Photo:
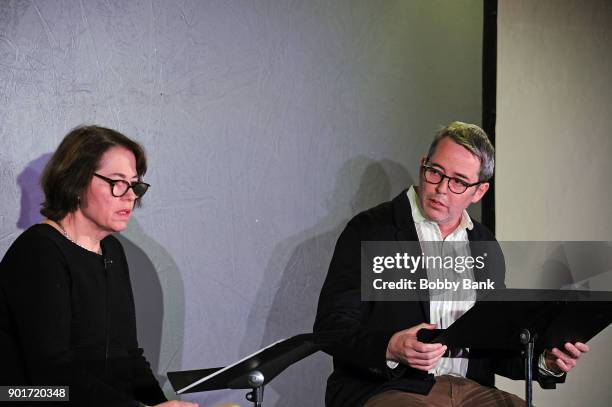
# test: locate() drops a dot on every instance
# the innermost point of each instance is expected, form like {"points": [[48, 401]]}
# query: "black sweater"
{"points": [[67, 318]]}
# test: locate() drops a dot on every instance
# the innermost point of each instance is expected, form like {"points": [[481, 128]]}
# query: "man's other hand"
{"points": [[564, 360]]}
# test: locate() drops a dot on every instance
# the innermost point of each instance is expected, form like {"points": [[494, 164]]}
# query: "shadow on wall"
{"points": [[148, 299], [296, 270], [151, 280], [31, 193], [579, 265], [160, 302]]}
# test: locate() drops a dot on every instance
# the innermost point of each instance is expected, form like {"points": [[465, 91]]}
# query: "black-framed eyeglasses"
{"points": [[456, 185], [120, 187]]}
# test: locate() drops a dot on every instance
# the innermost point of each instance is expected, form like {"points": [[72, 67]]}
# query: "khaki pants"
{"points": [[448, 391]]}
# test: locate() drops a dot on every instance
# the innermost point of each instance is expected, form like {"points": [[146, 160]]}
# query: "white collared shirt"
{"points": [[447, 306]]}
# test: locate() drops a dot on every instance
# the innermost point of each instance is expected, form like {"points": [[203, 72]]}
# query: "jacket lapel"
{"points": [[406, 231]]}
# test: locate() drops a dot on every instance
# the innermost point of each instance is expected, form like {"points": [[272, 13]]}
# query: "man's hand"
{"points": [[404, 347], [563, 361]]}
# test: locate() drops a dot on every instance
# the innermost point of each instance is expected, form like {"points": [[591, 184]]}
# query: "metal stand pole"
{"points": [[527, 340], [256, 381]]}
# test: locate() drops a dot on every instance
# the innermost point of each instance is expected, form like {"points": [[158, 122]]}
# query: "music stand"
{"points": [[527, 320], [252, 372]]}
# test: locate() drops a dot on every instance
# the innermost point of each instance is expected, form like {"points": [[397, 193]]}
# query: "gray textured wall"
{"points": [[553, 153], [267, 123]]}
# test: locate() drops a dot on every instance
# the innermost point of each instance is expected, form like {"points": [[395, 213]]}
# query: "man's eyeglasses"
{"points": [[120, 187], [435, 176]]}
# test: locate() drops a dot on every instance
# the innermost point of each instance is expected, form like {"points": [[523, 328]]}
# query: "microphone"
{"points": [[107, 262]]}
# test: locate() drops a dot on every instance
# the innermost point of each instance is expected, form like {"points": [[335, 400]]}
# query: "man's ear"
{"points": [[423, 160], [480, 191]]}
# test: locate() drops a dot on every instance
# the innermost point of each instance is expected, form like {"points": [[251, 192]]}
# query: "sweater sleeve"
{"points": [[146, 386]]}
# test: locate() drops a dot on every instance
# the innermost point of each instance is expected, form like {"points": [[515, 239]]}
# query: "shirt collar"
{"points": [[417, 213]]}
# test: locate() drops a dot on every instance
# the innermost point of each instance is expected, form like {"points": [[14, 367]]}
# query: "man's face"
{"points": [[439, 204]]}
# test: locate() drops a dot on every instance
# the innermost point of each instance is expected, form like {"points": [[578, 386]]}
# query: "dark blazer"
{"points": [[360, 369]]}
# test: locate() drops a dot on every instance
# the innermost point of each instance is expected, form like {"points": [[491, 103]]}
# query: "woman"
{"points": [[66, 306]]}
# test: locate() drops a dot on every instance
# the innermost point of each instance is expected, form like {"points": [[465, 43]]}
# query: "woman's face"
{"points": [[104, 212]]}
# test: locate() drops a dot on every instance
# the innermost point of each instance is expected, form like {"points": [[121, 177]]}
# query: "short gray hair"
{"points": [[474, 139]]}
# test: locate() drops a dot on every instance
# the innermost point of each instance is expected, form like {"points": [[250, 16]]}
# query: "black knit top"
{"points": [[67, 318]]}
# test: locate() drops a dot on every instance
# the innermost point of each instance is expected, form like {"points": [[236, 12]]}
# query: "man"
{"points": [[381, 362]]}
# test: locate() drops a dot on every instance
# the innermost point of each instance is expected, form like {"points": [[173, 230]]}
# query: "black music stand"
{"points": [[252, 372], [527, 320]]}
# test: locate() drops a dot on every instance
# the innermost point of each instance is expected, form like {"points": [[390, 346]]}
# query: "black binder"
{"points": [[553, 316]]}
